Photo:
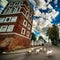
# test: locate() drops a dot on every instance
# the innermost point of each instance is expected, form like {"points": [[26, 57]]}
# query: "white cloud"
{"points": [[34, 23], [44, 22], [54, 13], [37, 12], [33, 2], [50, 7], [48, 1], [4, 3], [42, 5]]}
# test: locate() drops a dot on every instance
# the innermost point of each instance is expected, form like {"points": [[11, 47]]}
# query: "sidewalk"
{"points": [[19, 51]]}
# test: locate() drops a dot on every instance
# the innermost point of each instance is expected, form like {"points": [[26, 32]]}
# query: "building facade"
{"points": [[16, 25]]}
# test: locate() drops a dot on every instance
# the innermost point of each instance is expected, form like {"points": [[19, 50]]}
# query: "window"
{"points": [[19, 3], [8, 19], [18, 9], [28, 34], [8, 10], [12, 10], [10, 28], [10, 4], [29, 27], [3, 28], [27, 14], [15, 9], [16, 4], [14, 19], [25, 23], [5, 11], [23, 31], [2, 20]]}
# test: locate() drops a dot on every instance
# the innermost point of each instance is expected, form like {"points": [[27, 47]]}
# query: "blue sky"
{"points": [[56, 6], [47, 8]]}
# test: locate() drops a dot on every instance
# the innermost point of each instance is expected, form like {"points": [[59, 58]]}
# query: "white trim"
{"points": [[29, 26], [14, 19], [10, 28], [16, 13], [15, 34], [28, 34], [5, 21], [25, 6], [24, 23], [23, 33], [3, 28], [2, 20]]}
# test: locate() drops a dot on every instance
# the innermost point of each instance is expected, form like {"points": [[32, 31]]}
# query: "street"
{"points": [[40, 56]]}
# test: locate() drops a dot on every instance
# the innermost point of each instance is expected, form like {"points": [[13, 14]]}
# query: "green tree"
{"points": [[40, 37], [53, 33], [33, 37]]}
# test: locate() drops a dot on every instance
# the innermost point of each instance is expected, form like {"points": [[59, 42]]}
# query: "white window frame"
{"points": [[29, 26], [11, 3], [3, 29], [5, 11], [15, 4], [5, 21], [10, 28], [2, 20], [10, 10], [23, 33], [14, 19], [28, 34], [15, 9], [19, 8], [19, 3], [27, 14], [24, 23]]}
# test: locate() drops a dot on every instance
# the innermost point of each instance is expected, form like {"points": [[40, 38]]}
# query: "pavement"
{"points": [[42, 55], [20, 50]]}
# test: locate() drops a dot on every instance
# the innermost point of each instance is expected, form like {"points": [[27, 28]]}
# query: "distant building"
{"points": [[16, 24]]}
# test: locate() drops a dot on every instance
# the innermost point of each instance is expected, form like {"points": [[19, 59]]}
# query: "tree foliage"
{"points": [[40, 37], [33, 37], [53, 33]]}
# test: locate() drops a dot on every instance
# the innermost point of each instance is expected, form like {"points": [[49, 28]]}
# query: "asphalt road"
{"points": [[40, 56]]}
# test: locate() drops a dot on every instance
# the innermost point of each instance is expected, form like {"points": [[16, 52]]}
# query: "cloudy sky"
{"points": [[46, 13]]}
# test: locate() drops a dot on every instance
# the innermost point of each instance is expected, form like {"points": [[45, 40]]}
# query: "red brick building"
{"points": [[16, 25]]}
